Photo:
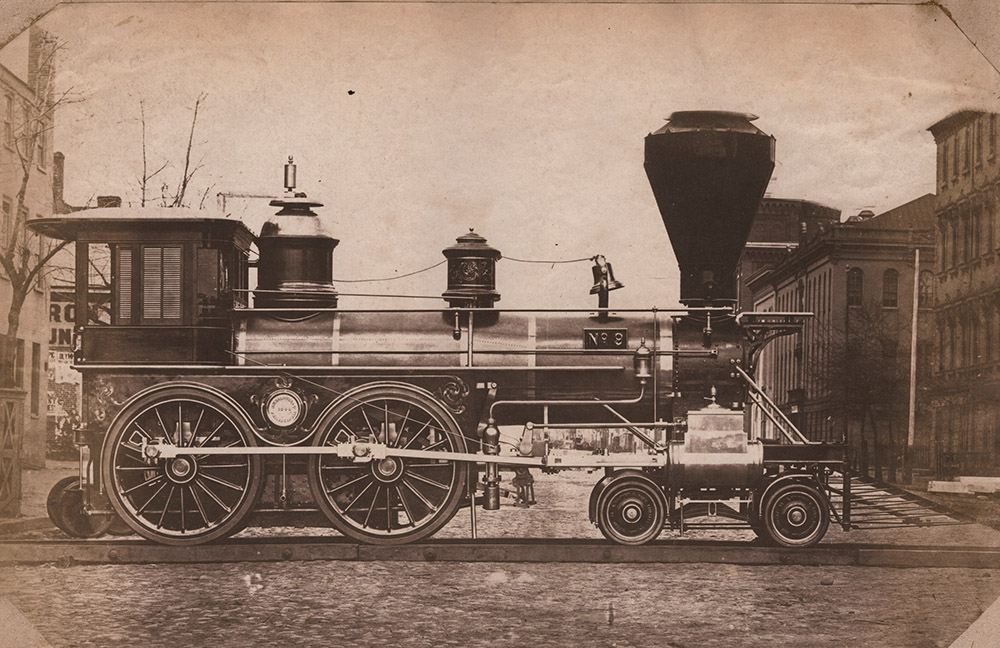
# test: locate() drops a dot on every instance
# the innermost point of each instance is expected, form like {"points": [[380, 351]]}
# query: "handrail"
{"points": [[770, 410]]}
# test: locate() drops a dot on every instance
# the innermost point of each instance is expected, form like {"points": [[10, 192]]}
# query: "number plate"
{"points": [[605, 338]]}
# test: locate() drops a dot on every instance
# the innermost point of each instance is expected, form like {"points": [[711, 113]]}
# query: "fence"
{"points": [[11, 435]]}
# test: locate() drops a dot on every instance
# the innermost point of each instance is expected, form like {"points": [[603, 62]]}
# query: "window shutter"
{"points": [[161, 283], [124, 285], [171, 283], [152, 283]]}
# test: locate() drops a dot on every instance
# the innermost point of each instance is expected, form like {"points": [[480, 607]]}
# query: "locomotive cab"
{"points": [[157, 284]]}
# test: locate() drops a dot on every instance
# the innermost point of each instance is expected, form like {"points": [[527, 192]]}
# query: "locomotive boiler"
{"points": [[211, 405]]}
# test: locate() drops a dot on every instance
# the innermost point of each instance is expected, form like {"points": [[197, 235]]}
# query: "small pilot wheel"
{"points": [[192, 498], [393, 500], [796, 515], [65, 508], [631, 511], [757, 524]]}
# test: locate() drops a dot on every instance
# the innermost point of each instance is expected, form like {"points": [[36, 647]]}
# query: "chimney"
{"points": [[41, 50], [59, 206]]}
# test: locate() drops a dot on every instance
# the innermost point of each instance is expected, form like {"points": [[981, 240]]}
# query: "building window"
{"points": [[966, 240], [954, 156], [953, 244], [942, 170], [855, 286], [40, 149], [890, 289], [988, 338], [992, 148], [974, 340], [8, 120], [161, 283], [963, 331], [977, 226], [19, 364], [979, 142], [952, 362], [926, 295], [36, 377], [966, 149]]}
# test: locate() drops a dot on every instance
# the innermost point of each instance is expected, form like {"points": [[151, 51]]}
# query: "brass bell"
{"points": [[604, 276], [604, 281]]}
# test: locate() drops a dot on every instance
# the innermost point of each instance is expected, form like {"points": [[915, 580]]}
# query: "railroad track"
{"points": [[69, 552]]}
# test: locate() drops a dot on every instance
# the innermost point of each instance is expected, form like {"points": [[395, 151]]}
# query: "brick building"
{"points": [[33, 335], [778, 228], [847, 373], [967, 318]]}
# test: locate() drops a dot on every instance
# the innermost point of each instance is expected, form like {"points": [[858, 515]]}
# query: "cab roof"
{"points": [[122, 220]]}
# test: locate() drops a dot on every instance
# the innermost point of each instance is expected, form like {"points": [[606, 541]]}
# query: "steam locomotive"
{"points": [[210, 405]]}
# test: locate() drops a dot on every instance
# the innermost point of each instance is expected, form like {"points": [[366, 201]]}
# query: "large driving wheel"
{"points": [[631, 510], [796, 515], [192, 498], [392, 500]]}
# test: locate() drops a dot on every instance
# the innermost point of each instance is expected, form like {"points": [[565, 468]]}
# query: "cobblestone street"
{"points": [[462, 604]]}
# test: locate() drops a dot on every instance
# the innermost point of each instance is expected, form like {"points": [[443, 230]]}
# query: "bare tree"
{"points": [[188, 171], [23, 255], [146, 175], [863, 363], [170, 197]]}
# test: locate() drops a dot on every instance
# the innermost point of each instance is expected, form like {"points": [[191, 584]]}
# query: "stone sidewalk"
{"points": [[16, 630]]}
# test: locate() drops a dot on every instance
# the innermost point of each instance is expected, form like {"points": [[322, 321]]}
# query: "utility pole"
{"points": [[911, 422]]}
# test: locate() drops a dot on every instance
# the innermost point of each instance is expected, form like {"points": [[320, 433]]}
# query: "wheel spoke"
{"points": [[346, 484], [371, 508], [386, 407], [417, 434], [197, 424], [406, 507], [435, 445], [210, 434], [212, 494], [371, 428], [357, 497], [166, 432], [428, 481], [388, 509], [159, 490], [222, 482], [420, 495], [166, 505], [198, 504], [151, 480], [402, 426]]}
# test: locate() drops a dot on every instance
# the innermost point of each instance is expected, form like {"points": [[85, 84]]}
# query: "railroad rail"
{"points": [[288, 548]]}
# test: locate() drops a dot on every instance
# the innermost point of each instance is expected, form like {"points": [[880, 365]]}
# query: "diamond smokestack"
{"points": [[708, 171]]}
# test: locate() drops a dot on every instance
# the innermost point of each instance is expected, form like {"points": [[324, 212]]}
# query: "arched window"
{"points": [[890, 289], [926, 299], [855, 286]]}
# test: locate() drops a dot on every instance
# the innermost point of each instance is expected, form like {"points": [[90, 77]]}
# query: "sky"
{"points": [[414, 122]]}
